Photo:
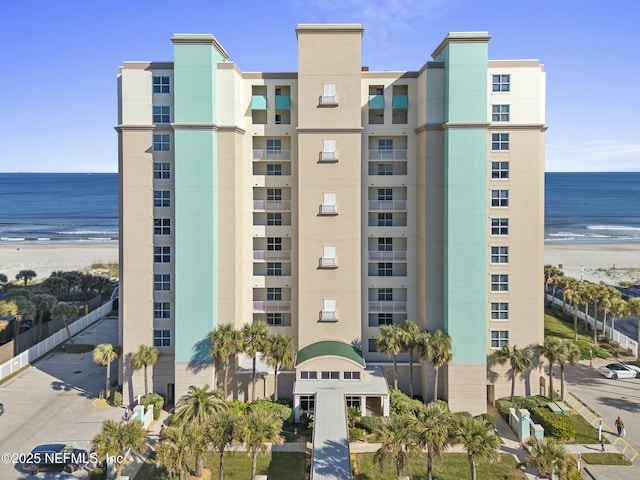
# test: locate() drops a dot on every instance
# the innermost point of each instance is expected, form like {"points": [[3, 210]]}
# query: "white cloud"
{"points": [[594, 156]]}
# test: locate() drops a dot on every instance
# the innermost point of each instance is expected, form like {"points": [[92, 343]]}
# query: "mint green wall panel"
{"points": [[376, 102], [400, 101], [283, 102], [258, 102]]}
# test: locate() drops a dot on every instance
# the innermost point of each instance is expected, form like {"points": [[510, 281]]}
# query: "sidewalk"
{"points": [[136, 460]]}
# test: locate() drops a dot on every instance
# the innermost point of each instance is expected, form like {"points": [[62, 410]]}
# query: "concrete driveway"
{"points": [[52, 402]]}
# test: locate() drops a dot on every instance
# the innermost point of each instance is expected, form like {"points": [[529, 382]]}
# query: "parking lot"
{"points": [[52, 402]]}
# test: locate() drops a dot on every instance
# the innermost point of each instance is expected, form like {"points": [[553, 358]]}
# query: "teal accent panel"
{"points": [[258, 102], [376, 102], [401, 102], [195, 204], [283, 102]]}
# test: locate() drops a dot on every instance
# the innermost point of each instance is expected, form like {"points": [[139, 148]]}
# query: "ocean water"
{"points": [[80, 207]]}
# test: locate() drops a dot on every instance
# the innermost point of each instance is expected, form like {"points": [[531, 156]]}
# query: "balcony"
{"points": [[391, 154], [328, 262], [283, 102], [390, 256], [271, 306], [330, 100], [272, 205], [388, 205], [272, 155], [388, 307], [328, 157], [400, 102], [376, 102], [328, 316], [272, 255], [258, 102], [329, 209]]}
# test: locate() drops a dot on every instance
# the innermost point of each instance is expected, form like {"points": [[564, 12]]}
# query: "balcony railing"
{"points": [[271, 306], [272, 205], [328, 262], [329, 209], [328, 316], [388, 307], [400, 102], [388, 205], [258, 102], [328, 156], [397, 256], [328, 100], [272, 255], [279, 155], [395, 154], [376, 102], [283, 102]]}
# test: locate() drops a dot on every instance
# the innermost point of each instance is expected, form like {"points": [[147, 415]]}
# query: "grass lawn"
{"points": [[585, 433], [606, 459], [558, 324], [452, 466], [237, 466]]}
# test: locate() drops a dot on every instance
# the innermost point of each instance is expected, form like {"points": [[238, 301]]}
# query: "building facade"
{"points": [[329, 202]]}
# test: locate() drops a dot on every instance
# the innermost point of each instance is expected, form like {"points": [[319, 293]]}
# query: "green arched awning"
{"points": [[330, 348]]}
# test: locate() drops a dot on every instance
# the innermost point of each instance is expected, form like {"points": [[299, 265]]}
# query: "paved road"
{"points": [[51, 402]]}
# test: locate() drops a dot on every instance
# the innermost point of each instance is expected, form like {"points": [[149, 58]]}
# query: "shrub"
{"points": [[356, 434], [369, 424], [488, 418], [117, 399], [557, 426], [401, 404], [283, 412], [531, 402], [504, 404], [154, 399]]}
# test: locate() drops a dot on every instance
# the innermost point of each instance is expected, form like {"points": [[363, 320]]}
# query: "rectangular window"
{"points": [[274, 194], [274, 269], [329, 256], [353, 400], [161, 254], [499, 254], [161, 282], [274, 293], [385, 219], [274, 218], [161, 143], [351, 376], [500, 83], [499, 170], [329, 309], [162, 338], [330, 375], [162, 226], [274, 243], [308, 375], [275, 319], [274, 169], [161, 114], [160, 84], [499, 226], [385, 244], [500, 283], [385, 194], [385, 144], [385, 169], [161, 170], [161, 198], [499, 198], [385, 294], [373, 345], [328, 94], [499, 141], [385, 319], [307, 403], [385, 269], [499, 338], [161, 310], [329, 203], [499, 311], [499, 113], [274, 145], [329, 149]]}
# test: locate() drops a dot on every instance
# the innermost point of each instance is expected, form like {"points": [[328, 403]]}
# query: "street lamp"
{"points": [[590, 357]]}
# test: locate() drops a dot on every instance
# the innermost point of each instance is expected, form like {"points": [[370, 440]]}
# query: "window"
{"points": [[500, 83], [499, 254], [385, 169], [385, 219], [385, 144], [162, 226], [385, 294], [499, 141], [307, 375], [329, 149], [385, 319], [161, 198], [161, 281], [274, 293], [161, 254], [329, 256], [499, 226], [329, 203], [385, 269], [162, 338], [161, 143], [500, 113], [161, 171], [274, 218], [499, 170], [274, 243], [161, 114], [161, 310], [499, 311], [385, 244], [385, 194], [160, 84], [500, 283], [274, 269], [329, 309], [274, 145], [330, 375], [373, 345], [274, 194], [275, 319], [499, 338], [351, 376], [274, 169], [499, 198], [307, 403], [353, 400], [328, 94]]}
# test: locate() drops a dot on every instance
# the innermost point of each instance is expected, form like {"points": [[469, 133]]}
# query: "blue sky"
{"points": [[60, 61]]}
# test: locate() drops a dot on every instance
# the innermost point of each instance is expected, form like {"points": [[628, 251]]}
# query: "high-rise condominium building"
{"points": [[329, 202]]}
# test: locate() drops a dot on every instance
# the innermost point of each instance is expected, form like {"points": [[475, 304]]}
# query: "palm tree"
{"points": [[73, 280], [145, 357], [254, 341], [390, 342], [588, 295], [44, 304], [259, 426], [3, 281], [478, 439], [225, 343], [551, 349], [439, 354], [103, 355], [26, 276], [618, 308], [634, 309], [556, 280], [64, 311], [173, 451], [547, 456], [569, 353], [432, 424], [223, 432], [55, 285], [279, 355], [398, 441], [116, 439], [571, 294], [608, 296], [551, 274], [518, 358], [410, 338]]}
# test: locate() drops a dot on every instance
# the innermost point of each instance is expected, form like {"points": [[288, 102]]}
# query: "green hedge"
{"points": [[369, 424], [530, 403], [555, 425], [154, 399]]}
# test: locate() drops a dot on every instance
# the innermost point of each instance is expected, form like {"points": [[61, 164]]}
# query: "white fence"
{"points": [[49, 343], [615, 335]]}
